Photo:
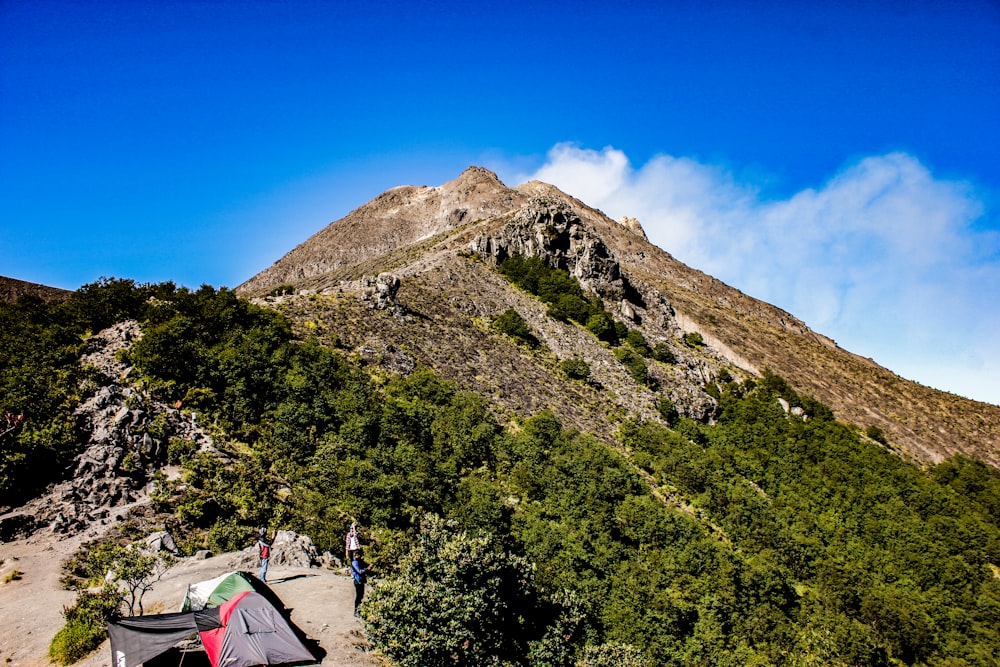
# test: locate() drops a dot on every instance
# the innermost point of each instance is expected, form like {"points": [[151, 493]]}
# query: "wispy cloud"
{"points": [[885, 257]]}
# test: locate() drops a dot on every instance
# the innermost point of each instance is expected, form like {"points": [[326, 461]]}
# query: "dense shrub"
{"points": [[556, 288], [575, 368], [663, 354], [876, 434], [694, 339], [635, 364], [510, 323], [613, 655], [456, 599], [667, 410], [635, 340], [602, 325], [75, 641], [86, 623]]}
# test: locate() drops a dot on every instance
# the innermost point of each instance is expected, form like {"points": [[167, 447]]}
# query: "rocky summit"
{"points": [[410, 278]]}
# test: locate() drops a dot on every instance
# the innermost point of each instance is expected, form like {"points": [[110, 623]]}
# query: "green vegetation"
{"points": [[462, 599], [795, 540], [40, 343], [510, 323], [635, 364], [694, 339], [123, 574], [635, 340], [575, 368], [85, 625], [662, 353], [876, 434], [562, 293], [602, 325]]}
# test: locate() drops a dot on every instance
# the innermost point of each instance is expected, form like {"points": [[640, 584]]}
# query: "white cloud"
{"points": [[883, 257]]}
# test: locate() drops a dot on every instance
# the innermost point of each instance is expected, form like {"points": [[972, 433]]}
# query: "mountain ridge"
{"points": [[432, 238], [11, 289]]}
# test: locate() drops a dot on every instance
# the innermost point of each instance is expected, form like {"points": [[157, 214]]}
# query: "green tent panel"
{"points": [[212, 593]]}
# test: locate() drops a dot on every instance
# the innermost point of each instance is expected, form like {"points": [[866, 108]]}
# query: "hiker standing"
{"points": [[352, 544], [264, 547], [360, 574]]}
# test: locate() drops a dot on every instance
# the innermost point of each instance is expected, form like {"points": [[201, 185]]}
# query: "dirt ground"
{"points": [[31, 606]]}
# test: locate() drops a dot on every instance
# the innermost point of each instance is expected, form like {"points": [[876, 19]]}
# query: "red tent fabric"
{"points": [[253, 632]]}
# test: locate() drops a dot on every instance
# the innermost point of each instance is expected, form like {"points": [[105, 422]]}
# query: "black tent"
{"points": [[136, 639]]}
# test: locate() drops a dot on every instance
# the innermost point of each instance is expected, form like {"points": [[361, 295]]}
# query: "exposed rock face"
{"points": [[161, 541], [376, 352], [380, 291], [552, 231], [127, 435], [288, 549], [633, 225]]}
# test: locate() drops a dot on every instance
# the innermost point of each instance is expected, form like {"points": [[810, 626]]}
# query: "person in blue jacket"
{"points": [[360, 574]]}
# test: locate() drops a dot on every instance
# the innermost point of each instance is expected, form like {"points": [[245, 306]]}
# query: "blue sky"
{"points": [[838, 161]]}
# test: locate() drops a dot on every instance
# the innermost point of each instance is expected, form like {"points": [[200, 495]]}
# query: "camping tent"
{"points": [[214, 592], [244, 631]]}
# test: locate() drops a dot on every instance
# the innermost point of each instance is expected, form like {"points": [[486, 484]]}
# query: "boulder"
{"points": [[288, 549], [161, 541]]}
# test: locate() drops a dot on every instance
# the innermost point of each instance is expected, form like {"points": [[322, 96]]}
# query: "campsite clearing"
{"points": [[321, 601]]}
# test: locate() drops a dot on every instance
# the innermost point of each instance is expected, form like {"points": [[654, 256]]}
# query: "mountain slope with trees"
{"points": [[438, 235], [558, 454]]}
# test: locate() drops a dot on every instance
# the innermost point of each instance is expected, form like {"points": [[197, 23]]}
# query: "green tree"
{"points": [[663, 354], [694, 339], [458, 599], [602, 325], [637, 342], [635, 364]]}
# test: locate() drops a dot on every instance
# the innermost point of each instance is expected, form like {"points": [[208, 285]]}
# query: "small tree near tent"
{"points": [[135, 573]]}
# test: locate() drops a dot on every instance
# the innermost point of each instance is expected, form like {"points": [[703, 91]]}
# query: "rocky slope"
{"points": [[439, 247], [128, 434], [12, 289]]}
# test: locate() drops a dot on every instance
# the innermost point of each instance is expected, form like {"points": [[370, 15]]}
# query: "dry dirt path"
{"points": [[321, 601]]}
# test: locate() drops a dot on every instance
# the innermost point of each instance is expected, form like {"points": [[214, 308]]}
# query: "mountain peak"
{"points": [[398, 217], [424, 237], [476, 175]]}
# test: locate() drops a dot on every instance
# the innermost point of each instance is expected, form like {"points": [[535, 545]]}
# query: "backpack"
{"points": [[265, 551]]}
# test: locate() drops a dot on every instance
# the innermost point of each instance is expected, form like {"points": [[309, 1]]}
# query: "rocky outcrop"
{"points": [[550, 230], [633, 226], [376, 352], [126, 434], [380, 291], [288, 549]]}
